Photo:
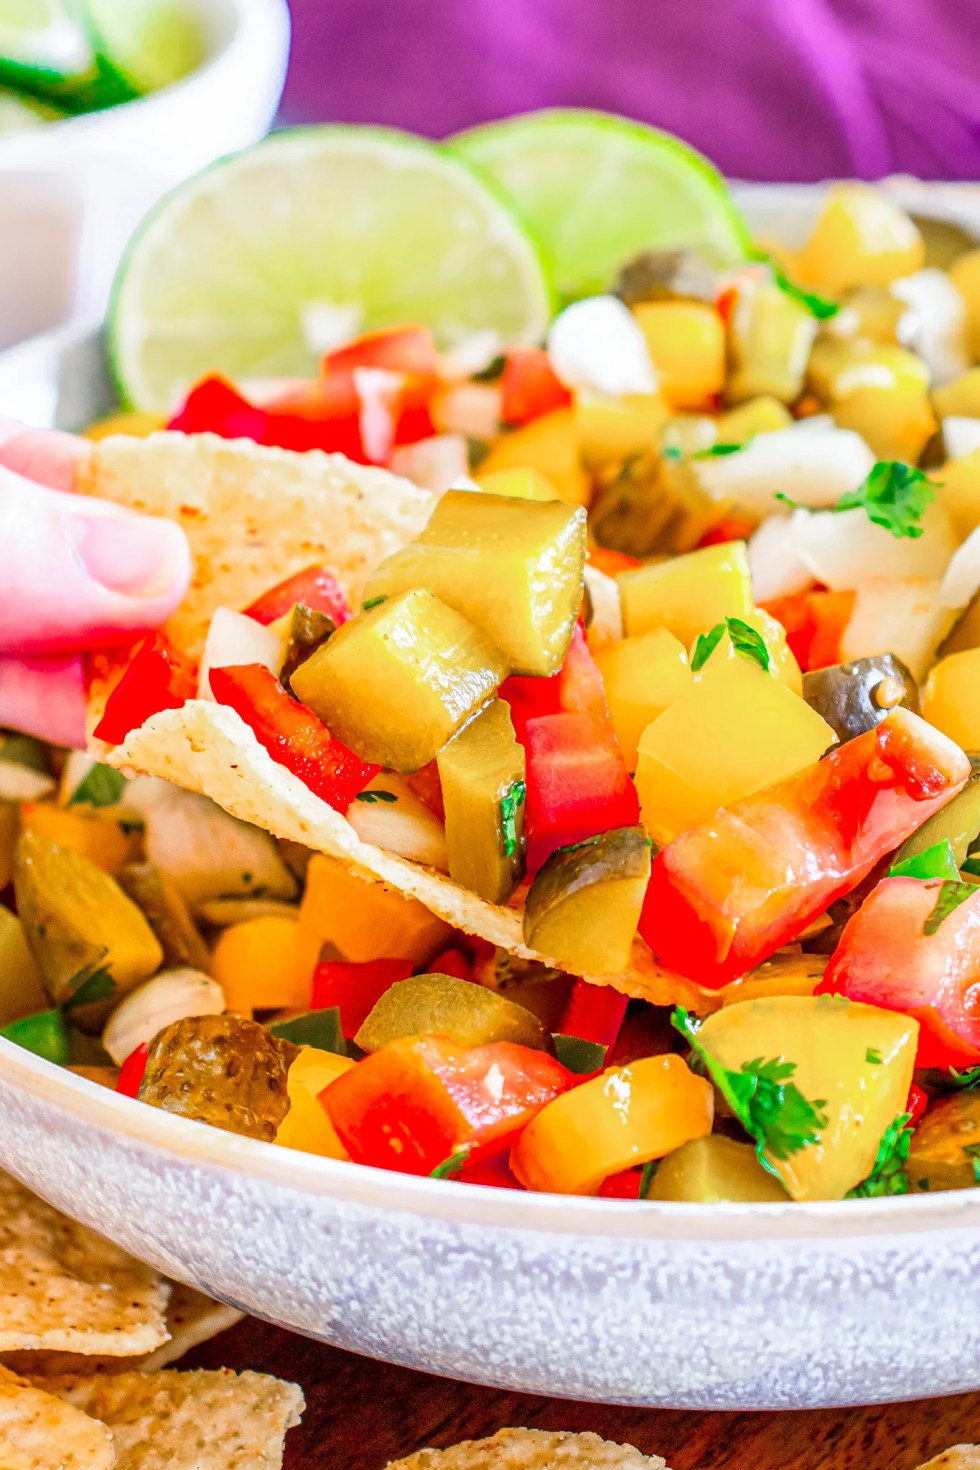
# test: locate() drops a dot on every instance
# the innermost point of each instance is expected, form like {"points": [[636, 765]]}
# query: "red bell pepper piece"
{"points": [[613, 563], [815, 622], [595, 1013], [625, 1185], [314, 415], [428, 788], [403, 349], [156, 678], [886, 959], [452, 962], [422, 1099], [725, 895], [731, 528], [292, 734], [316, 587], [916, 1104], [215, 406], [355, 987], [132, 1070], [529, 387]]}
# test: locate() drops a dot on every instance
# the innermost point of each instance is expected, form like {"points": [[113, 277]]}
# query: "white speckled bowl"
{"points": [[721, 1307]]}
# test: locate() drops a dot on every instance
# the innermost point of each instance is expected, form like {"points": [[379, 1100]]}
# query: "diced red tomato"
{"points": [[732, 528], [886, 959], [404, 349], [452, 962], [215, 406], [529, 387], [815, 622], [595, 1013], [604, 559], [316, 587], [916, 1104], [428, 788], [419, 1100], [493, 1172], [292, 734], [726, 303], [132, 1071], [156, 678], [625, 1185], [725, 895], [355, 987]]}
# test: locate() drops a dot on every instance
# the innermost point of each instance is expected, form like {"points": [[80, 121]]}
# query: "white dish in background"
{"points": [[72, 192]]}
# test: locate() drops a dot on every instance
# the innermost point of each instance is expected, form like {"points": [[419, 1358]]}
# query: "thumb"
{"points": [[78, 573]]}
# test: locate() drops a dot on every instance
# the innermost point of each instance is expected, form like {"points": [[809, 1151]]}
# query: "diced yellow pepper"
{"points": [[773, 634], [736, 730], [960, 398], [952, 698], [96, 836], [965, 276], [966, 633], [549, 445], [686, 340], [642, 676], [266, 964], [862, 238], [612, 429], [365, 920], [629, 1115], [135, 425], [688, 594], [517, 485], [957, 486], [760, 415], [306, 1126], [895, 422]]}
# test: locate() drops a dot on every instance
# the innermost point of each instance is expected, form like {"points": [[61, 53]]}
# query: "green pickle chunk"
{"points": [[163, 906], [443, 1005], [769, 341], [512, 567], [584, 905], [483, 791], [712, 1170], [855, 697], [958, 823], [397, 682], [945, 1149]]}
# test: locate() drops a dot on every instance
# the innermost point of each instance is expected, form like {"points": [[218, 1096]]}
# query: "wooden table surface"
{"points": [[361, 1414]]}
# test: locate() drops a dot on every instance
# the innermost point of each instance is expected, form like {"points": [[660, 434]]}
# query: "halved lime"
{"points": [[596, 190], [270, 257]]}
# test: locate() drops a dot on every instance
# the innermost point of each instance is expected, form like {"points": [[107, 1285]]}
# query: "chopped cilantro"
{"points": [[888, 1174], [647, 1178], [101, 786], [816, 305], [717, 451], [769, 1106], [894, 495], [873, 1056], [951, 895], [510, 806], [745, 640], [574, 846], [937, 861], [372, 602], [671, 451], [972, 1151], [706, 645], [963, 1081], [452, 1167], [373, 796]]}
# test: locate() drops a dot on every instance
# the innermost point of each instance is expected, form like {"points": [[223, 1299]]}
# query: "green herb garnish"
{"points": [[873, 1056], [706, 645], [452, 1167], [937, 861], [888, 1174], [963, 1081], [578, 1055], [817, 305], [647, 1178], [671, 451], [102, 786], [894, 495], [745, 640], [372, 602], [717, 451], [769, 1106], [972, 1151], [510, 805], [951, 895], [370, 797]]}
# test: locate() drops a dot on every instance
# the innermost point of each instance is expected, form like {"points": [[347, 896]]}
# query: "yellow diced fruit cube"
{"points": [[966, 632], [306, 1126], [549, 445], [773, 634], [965, 276], [686, 340], [689, 593], [895, 422], [734, 731], [862, 238], [957, 486], [960, 398], [364, 920], [97, 836], [266, 964], [952, 698], [612, 429], [761, 415], [517, 485], [642, 676]]}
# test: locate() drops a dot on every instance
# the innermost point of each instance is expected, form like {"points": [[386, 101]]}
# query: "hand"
{"points": [[75, 573]]}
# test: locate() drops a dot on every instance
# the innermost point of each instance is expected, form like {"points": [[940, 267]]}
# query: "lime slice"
{"points": [[20, 114], [274, 255], [149, 43], [596, 190]]}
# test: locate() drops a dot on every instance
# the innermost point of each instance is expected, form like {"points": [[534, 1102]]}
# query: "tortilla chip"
{"points": [[64, 1288], [532, 1449], [209, 748], [41, 1432], [189, 1421], [958, 1457]]}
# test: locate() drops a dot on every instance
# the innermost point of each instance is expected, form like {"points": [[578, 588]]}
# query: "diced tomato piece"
{"points": [[316, 587], [418, 1101], [885, 958], [493, 1172], [916, 1104], [215, 406], [815, 623], [580, 687], [452, 962], [726, 303], [529, 387], [732, 528], [725, 895], [314, 415], [625, 1185], [132, 1071], [428, 788], [595, 1013], [405, 349], [355, 987], [156, 678], [292, 734], [604, 559]]}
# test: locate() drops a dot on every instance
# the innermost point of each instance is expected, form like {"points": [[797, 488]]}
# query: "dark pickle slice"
{"points": [[584, 905], [309, 629], [666, 275], [223, 1070], [165, 910], [945, 1150], [855, 697], [957, 823], [444, 1005], [481, 772], [715, 1169]]}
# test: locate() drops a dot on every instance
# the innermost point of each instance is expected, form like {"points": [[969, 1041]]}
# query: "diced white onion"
{"points": [[904, 618], [471, 409], [844, 549], [606, 626], [960, 436], [404, 826], [597, 343], [936, 322], [814, 468], [470, 355], [777, 568], [377, 392], [156, 1003], [434, 463], [962, 580], [233, 639]]}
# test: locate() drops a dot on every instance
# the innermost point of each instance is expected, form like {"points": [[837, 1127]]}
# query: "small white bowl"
{"points": [[72, 192]]}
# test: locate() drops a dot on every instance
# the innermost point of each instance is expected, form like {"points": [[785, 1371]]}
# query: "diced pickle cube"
{"points": [[713, 1169], [483, 791], [396, 682], [513, 567], [445, 1005], [945, 1150], [769, 341], [584, 905]]}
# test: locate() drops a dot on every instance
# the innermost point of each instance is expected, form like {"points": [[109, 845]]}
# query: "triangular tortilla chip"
{"points": [[40, 1432]]}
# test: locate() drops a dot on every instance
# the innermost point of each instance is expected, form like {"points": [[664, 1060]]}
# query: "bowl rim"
{"points": [[86, 1104]]}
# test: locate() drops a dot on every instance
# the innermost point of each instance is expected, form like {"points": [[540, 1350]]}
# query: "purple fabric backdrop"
{"points": [[771, 89]]}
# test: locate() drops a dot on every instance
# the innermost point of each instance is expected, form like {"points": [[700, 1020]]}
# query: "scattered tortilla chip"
{"points": [[533, 1449], [41, 1432], [189, 1421], [209, 748], [64, 1288], [958, 1457]]}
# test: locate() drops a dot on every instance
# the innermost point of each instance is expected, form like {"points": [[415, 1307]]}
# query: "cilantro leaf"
{"points": [[817, 305], [647, 1178], [101, 786], [716, 451], [873, 1056], [972, 1151], [937, 861], [888, 1174], [769, 1106], [963, 1081], [373, 602], [706, 645], [749, 643], [894, 495], [671, 451], [373, 796], [452, 1167], [510, 805], [951, 895]]}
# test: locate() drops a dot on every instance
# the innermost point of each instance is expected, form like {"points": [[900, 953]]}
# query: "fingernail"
{"points": [[141, 556]]}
